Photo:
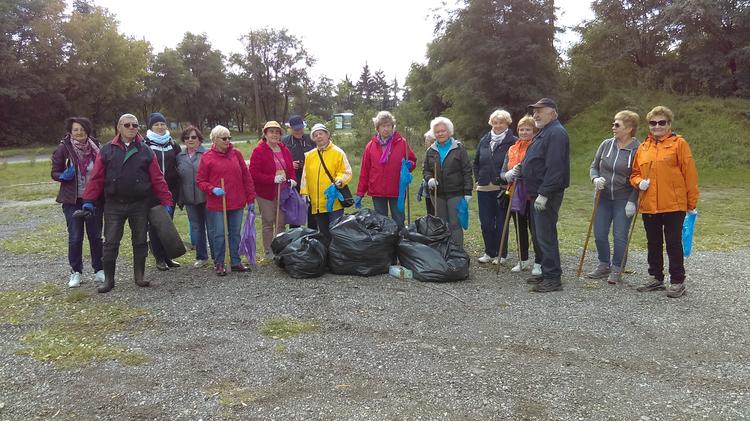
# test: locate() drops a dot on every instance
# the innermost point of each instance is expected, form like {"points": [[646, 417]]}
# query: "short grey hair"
{"points": [[382, 118], [441, 120], [219, 131], [429, 136], [124, 117], [501, 115]]}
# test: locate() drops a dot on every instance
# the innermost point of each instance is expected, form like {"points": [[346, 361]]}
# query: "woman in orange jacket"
{"points": [[664, 172]]}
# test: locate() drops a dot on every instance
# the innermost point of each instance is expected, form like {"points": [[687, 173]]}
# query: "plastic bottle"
{"points": [[400, 272]]}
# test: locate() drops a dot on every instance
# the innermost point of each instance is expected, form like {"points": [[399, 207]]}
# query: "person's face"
{"points": [[159, 128], [525, 132], [385, 130], [620, 130], [222, 143], [297, 133], [657, 129], [499, 125], [192, 141], [441, 132], [543, 115], [128, 128], [273, 136], [321, 137], [77, 133]]}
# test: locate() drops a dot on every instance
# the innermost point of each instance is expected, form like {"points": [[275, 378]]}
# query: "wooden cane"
{"points": [[588, 233], [632, 225], [434, 199], [278, 202], [505, 226], [226, 226]]}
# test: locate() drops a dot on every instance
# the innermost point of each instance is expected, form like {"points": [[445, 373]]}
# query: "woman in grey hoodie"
{"points": [[610, 172]]}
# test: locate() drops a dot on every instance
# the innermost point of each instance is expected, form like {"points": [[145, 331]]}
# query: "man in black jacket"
{"points": [[546, 172], [298, 144]]}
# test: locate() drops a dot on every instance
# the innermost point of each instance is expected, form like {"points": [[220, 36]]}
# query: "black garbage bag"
{"points": [[283, 239], [304, 257], [362, 243], [427, 250]]}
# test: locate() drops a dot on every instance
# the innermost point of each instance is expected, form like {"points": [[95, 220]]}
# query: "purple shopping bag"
{"points": [[518, 201], [293, 206], [247, 241]]}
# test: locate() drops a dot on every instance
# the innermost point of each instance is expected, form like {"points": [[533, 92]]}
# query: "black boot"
{"points": [[109, 277], [139, 269]]}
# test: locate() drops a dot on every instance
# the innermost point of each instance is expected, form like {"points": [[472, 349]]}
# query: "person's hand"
{"points": [[357, 202], [693, 211], [251, 207], [217, 191], [280, 178], [643, 185], [540, 203], [169, 209], [599, 182], [513, 173], [68, 174], [338, 182], [432, 183], [411, 164], [88, 206], [292, 183], [296, 164], [467, 198], [630, 209]]}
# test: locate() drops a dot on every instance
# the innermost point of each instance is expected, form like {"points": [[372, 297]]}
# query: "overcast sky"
{"points": [[341, 35]]}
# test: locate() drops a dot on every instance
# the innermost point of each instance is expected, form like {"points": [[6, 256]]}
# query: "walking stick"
{"points": [[434, 200], [505, 226], [226, 225], [408, 202], [278, 201], [588, 233], [518, 239], [632, 225]]}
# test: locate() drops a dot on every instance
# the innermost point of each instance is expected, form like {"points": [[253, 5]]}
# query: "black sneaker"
{"points": [[676, 290], [162, 266], [652, 285], [547, 287], [534, 280]]}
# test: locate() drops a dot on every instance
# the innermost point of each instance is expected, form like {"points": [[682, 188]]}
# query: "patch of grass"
{"points": [[27, 150], [284, 328], [25, 182], [231, 395], [70, 329]]}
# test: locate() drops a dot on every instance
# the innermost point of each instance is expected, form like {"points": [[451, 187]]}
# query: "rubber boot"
{"points": [[139, 269], [109, 277]]}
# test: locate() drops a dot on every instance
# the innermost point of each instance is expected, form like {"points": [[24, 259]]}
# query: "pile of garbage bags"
{"points": [[427, 250], [363, 243], [301, 252]]}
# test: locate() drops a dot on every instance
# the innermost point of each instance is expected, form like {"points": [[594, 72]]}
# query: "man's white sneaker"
{"points": [[537, 270], [75, 280], [99, 276], [520, 266], [200, 263], [502, 261], [485, 258]]}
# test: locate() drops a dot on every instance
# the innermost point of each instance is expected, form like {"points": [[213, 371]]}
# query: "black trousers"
{"points": [[115, 215], [525, 226], [545, 232], [661, 227]]}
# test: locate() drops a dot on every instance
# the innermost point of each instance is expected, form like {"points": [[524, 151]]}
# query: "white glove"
{"points": [[292, 183], [280, 178], [432, 183], [693, 212], [468, 198], [338, 182], [643, 185], [540, 203], [512, 174], [599, 183], [630, 209]]}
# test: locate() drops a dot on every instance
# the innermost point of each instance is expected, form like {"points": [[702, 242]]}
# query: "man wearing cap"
{"points": [[546, 172], [298, 144], [127, 174]]}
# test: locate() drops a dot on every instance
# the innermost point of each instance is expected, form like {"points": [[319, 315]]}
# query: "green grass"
{"points": [[32, 150], [284, 328], [27, 181], [69, 329], [232, 396]]}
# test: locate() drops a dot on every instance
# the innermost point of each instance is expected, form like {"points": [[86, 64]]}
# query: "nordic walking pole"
{"points": [[505, 225], [588, 233], [408, 202], [226, 225], [632, 225], [278, 202]]}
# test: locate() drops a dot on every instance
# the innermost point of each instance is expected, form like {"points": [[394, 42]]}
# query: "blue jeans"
{"points": [[492, 218], [157, 249], [197, 217], [381, 205], [611, 213], [215, 225], [93, 226], [545, 231]]}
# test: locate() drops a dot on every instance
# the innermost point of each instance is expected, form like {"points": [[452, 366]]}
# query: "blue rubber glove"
{"points": [[251, 207], [218, 191], [357, 202], [169, 209], [68, 174], [88, 206]]}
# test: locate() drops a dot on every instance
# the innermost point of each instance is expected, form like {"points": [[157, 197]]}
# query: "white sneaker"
{"points": [[75, 280], [520, 266], [485, 258], [200, 263], [99, 276], [537, 270], [502, 261]]}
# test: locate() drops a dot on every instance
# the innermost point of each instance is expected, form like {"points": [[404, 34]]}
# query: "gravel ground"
{"points": [[485, 348]]}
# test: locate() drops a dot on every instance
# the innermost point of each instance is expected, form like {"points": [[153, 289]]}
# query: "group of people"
{"points": [[520, 176]]}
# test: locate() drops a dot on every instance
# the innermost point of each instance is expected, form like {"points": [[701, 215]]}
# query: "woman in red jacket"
{"points": [[272, 170], [224, 162], [381, 167]]}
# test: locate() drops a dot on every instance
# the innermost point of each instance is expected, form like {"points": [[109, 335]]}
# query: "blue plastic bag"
{"points": [[405, 179], [462, 209], [332, 194], [247, 240], [688, 229]]}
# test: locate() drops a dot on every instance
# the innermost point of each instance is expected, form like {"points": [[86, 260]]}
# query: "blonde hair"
{"points": [[219, 131], [502, 115], [630, 119], [527, 120], [661, 110]]}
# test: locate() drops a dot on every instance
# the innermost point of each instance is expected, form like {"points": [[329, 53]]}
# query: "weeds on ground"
{"points": [[70, 329], [231, 395], [284, 328]]}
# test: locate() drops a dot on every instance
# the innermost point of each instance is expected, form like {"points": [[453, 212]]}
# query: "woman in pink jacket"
{"points": [[381, 167], [224, 162]]}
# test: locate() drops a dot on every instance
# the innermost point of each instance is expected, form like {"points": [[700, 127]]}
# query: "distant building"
{"points": [[343, 120]]}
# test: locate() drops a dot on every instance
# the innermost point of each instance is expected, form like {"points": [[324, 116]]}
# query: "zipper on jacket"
{"points": [[614, 164]]}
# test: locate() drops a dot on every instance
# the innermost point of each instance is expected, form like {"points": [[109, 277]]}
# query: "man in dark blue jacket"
{"points": [[546, 172], [299, 143]]}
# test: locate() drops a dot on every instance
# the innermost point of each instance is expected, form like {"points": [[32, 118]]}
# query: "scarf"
{"points": [[160, 140], [444, 149], [496, 139], [387, 145], [86, 152]]}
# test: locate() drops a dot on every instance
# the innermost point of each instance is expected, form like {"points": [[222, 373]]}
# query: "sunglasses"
{"points": [[226, 138], [654, 123], [190, 137], [130, 125], [616, 125]]}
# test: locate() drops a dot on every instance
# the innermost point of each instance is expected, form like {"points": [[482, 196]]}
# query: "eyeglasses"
{"points": [[226, 138], [190, 137], [654, 123], [129, 125], [616, 125]]}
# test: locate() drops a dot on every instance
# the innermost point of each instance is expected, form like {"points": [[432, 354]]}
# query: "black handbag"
{"points": [[348, 199]]}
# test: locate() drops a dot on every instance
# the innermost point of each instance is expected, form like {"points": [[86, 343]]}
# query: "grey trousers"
{"points": [[446, 210]]}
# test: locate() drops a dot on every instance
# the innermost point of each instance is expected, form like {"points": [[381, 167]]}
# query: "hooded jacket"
{"points": [[382, 180], [615, 165], [454, 175], [315, 180], [229, 165], [669, 165]]}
